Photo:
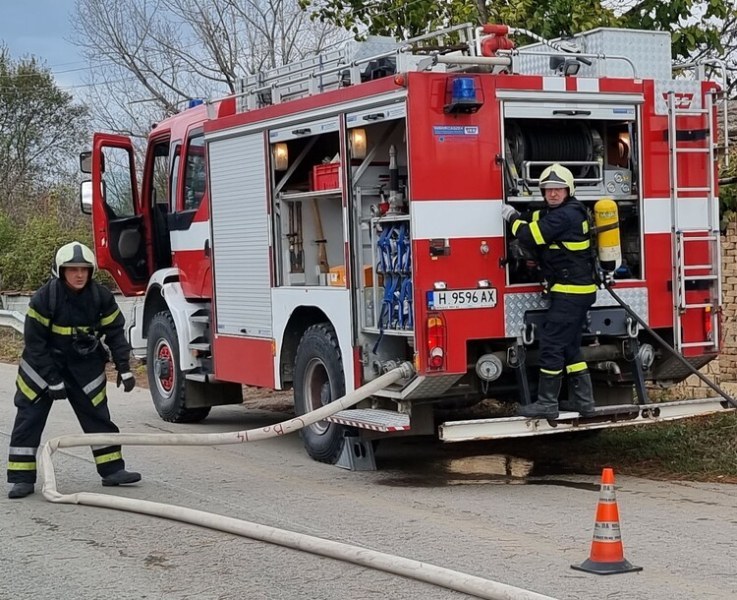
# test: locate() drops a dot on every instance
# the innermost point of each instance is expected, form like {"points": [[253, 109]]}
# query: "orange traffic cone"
{"points": [[607, 554]]}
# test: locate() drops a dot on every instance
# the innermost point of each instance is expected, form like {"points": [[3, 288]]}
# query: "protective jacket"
{"points": [[560, 237], [62, 339]]}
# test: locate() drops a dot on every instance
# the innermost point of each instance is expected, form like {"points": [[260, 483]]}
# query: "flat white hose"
{"points": [[440, 576]]}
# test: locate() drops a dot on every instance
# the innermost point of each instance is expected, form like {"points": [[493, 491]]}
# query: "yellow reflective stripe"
{"points": [[110, 318], [23, 387], [585, 226], [516, 225], [573, 289], [536, 234], [110, 457], [577, 245], [576, 367], [58, 329], [572, 246], [549, 372], [40, 318], [22, 466], [99, 398], [536, 215]]}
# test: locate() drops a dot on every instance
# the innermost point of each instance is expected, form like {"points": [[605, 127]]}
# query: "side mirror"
{"points": [[85, 197], [85, 162]]}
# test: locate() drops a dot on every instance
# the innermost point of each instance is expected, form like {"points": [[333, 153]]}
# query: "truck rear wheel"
{"points": [[165, 378], [318, 380]]}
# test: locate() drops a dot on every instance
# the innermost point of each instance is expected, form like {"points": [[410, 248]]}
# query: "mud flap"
{"points": [[199, 394]]}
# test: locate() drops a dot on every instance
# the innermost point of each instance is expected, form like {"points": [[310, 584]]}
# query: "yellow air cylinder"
{"points": [[606, 219]]}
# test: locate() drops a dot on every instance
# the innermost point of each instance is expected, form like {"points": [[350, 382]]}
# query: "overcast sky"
{"points": [[42, 28]]}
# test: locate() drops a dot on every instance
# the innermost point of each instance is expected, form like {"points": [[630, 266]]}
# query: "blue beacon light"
{"points": [[463, 96], [464, 89]]}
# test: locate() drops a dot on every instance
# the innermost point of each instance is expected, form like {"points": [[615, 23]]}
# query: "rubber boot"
{"points": [[21, 490], [121, 477], [546, 406], [580, 395]]}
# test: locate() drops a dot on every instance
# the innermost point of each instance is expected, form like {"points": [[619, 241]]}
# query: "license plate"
{"points": [[456, 299]]}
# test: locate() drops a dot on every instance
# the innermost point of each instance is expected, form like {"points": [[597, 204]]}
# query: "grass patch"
{"points": [[697, 449]]}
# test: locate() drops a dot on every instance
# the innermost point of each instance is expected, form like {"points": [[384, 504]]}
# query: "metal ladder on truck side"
{"points": [[688, 239]]}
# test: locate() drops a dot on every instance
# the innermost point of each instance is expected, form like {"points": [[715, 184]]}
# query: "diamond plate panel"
{"points": [[687, 95], [375, 419], [673, 369], [373, 45], [648, 50], [516, 305], [422, 387]]}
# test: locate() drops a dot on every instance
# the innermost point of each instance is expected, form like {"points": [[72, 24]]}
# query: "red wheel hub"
{"points": [[167, 382]]}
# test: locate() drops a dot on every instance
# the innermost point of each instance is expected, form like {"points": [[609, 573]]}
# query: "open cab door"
{"points": [[119, 230]]}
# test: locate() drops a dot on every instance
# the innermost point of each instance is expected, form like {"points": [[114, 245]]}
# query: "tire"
{"points": [[318, 380], [165, 378]]}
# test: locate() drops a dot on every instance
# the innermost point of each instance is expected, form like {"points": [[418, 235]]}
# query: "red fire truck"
{"points": [[343, 214]]}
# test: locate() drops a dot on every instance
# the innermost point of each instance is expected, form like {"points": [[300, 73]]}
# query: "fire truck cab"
{"points": [[343, 214]]}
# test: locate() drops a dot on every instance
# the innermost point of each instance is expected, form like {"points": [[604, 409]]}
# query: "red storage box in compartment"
{"points": [[325, 177]]}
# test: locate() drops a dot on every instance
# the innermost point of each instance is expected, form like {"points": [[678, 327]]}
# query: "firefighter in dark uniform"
{"points": [[559, 235], [63, 359]]}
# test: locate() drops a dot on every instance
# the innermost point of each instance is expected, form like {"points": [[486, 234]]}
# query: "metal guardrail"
{"points": [[12, 318]]}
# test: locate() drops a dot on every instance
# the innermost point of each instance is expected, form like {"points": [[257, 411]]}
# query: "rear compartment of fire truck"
{"points": [[600, 139]]}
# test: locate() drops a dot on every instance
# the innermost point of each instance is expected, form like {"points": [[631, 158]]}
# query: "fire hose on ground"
{"points": [[421, 571]]}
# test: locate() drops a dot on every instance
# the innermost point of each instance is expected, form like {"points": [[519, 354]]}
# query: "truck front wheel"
{"points": [[165, 378], [318, 380]]}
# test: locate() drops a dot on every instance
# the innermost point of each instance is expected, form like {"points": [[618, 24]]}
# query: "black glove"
{"points": [[128, 381], [58, 391]]}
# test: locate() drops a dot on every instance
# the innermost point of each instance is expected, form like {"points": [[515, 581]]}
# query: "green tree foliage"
{"points": [[553, 18], [42, 131], [41, 128], [26, 254]]}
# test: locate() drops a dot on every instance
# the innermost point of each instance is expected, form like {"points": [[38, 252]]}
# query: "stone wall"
{"points": [[728, 359]]}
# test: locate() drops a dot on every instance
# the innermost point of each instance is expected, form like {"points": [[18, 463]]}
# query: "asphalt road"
{"points": [[459, 507]]}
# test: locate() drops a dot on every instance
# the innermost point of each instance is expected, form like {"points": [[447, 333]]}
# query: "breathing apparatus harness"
{"points": [[85, 340]]}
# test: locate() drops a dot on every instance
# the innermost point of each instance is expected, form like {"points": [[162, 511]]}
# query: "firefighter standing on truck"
{"points": [[559, 234], [64, 358]]}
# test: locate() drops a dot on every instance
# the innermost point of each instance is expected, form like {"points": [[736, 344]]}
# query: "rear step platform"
{"points": [[375, 419], [605, 417]]}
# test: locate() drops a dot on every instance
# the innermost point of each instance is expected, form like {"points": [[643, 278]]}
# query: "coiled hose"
{"points": [[440, 576]]}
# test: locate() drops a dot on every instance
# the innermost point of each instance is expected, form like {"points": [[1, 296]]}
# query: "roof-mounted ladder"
{"points": [[353, 64]]}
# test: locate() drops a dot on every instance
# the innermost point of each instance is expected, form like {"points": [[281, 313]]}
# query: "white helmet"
{"points": [[74, 254], [557, 176]]}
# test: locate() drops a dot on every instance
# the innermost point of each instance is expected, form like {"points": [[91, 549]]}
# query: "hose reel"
{"points": [[535, 143]]}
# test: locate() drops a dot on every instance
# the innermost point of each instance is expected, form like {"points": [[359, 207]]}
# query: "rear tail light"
{"points": [[435, 342], [708, 329]]}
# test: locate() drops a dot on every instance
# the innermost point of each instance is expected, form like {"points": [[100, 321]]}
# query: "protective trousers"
{"points": [[31, 419], [560, 338]]}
